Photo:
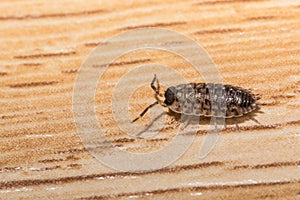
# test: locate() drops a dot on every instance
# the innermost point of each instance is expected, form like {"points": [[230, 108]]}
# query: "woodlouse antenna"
{"points": [[146, 109], [157, 95], [156, 90]]}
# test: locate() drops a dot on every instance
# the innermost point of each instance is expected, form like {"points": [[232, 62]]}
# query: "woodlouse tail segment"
{"points": [[144, 111], [257, 97]]}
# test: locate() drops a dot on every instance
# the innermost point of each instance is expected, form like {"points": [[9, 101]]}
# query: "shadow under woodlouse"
{"points": [[229, 121], [205, 120]]}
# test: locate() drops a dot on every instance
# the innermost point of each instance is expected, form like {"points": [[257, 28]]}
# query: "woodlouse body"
{"points": [[195, 99], [204, 99]]}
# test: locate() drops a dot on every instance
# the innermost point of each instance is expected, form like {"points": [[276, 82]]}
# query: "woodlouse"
{"points": [[195, 99]]}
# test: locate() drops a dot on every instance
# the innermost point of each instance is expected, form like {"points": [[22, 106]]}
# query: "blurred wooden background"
{"points": [[254, 43]]}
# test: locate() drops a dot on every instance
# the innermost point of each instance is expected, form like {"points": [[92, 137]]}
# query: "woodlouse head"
{"points": [[170, 96]]}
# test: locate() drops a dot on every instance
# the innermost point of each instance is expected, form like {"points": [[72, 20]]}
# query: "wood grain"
{"points": [[254, 43]]}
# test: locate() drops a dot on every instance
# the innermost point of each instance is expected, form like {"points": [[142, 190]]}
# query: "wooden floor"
{"points": [[255, 44]]}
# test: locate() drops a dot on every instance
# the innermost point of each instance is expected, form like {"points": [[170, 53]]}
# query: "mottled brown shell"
{"points": [[195, 99]]}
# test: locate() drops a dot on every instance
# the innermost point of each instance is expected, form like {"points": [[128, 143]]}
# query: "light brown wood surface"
{"points": [[254, 43]]}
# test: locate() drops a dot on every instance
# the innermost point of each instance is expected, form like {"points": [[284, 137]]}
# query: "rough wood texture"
{"points": [[254, 43]]}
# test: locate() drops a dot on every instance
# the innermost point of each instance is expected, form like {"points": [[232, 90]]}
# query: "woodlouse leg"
{"points": [[217, 121], [185, 123], [236, 125], [190, 123], [143, 113]]}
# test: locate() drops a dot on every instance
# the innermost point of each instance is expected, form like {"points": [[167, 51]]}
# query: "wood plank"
{"points": [[254, 44]]}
